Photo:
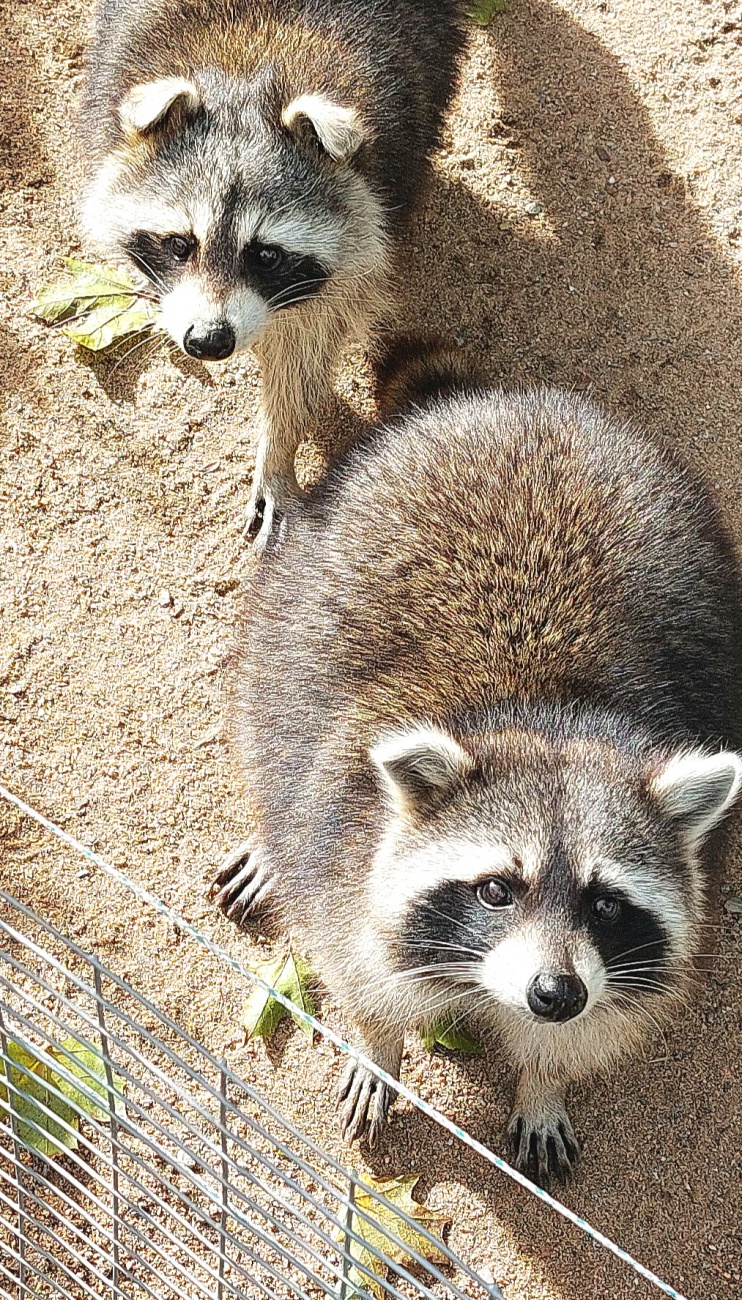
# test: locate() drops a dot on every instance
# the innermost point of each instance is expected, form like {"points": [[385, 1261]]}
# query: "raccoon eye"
{"points": [[494, 894], [606, 910], [179, 247], [268, 257]]}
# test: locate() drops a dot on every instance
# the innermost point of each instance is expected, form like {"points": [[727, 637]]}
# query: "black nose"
{"points": [[209, 343], [556, 997]]}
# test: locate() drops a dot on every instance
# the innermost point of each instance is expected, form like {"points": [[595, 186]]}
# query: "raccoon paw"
{"points": [[266, 513], [358, 1089], [545, 1150], [242, 885]]}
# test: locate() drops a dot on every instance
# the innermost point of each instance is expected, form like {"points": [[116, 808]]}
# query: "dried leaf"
{"points": [[484, 11], [105, 305], [450, 1035], [261, 1014], [374, 1231]]}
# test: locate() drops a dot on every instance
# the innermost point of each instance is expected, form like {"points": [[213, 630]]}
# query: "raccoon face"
{"points": [[543, 880], [234, 209]]}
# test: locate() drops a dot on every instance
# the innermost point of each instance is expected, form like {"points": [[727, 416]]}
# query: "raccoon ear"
{"points": [[696, 790], [146, 104], [340, 131], [421, 767]]}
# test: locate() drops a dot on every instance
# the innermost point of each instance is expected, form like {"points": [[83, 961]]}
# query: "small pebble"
{"points": [[533, 209], [733, 906], [164, 599]]}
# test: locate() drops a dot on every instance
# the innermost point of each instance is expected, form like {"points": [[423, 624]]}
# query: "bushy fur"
{"points": [[303, 124], [480, 652]]}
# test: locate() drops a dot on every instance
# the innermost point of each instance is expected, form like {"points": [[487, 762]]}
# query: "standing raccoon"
{"points": [[483, 699], [257, 161]]}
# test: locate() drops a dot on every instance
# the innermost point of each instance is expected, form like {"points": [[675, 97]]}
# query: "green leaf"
{"points": [[452, 1037], [88, 1065], [484, 11], [105, 305], [49, 1138], [374, 1231], [261, 1014], [293, 982], [110, 321]]}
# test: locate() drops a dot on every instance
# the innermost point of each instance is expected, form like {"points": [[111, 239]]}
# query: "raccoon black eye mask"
{"points": [[481, 783], [286, 144]]}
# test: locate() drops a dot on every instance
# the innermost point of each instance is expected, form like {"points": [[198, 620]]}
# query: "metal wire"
{"points": [[234, 964], [156, 1181]]}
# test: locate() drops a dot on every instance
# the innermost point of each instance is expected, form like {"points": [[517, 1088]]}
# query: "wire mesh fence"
{"points": [[134, 1163]]}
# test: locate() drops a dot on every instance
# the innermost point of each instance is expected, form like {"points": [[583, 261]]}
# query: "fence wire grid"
{"points": [[134, 1163]]}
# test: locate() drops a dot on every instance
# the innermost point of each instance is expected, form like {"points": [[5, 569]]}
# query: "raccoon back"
{"points": [[495, 547]]}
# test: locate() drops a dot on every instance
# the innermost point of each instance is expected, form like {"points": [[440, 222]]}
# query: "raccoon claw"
{"points": [[241, 885], [266, 514], [358, 1089], [546, 1152]]}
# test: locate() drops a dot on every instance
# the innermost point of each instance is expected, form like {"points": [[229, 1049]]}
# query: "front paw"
{"points": [[358, 1090], [243, 884], [544, 1148], [272, 495]]}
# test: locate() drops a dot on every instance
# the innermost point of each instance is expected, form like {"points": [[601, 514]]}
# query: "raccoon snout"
{"points": [[213, 342], [556, 997]]}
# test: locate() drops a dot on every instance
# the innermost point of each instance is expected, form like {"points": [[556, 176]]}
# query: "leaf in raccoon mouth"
{"points": [[95, 307], [375, 1223], [261, 1014], [484, 10], [449, 1035]]}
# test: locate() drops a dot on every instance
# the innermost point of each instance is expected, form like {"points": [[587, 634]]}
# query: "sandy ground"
{"points": [[585, 229]]}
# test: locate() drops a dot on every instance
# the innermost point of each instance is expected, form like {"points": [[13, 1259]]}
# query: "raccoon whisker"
{"points": [[435, 911], [627, 952], [156, 344], [149, 272], [441, 946], [637, 1008], [291, 288]]}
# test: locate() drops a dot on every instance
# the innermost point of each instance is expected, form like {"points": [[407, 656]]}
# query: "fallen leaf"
{"points": [[34, 1128], [262, 1014], [450, 1035], [484, 11], [86, 1063], [40, 1087], [100, 306], [382, 1220]]}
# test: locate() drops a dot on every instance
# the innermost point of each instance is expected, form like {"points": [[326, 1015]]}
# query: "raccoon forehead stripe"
{"points": [[320, 237], [653, 893], [395, 883]]}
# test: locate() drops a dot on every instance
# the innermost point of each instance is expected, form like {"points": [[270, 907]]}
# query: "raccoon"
{"points": [[487, 701], [257, 161]]}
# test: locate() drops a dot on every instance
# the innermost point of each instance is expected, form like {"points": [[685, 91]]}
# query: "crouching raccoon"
{"points": [[257, 162], [487, 699]]}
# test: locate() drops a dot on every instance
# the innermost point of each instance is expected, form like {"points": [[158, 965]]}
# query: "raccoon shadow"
{"points": [[119, 368], [618, 283], [626, 1186], [23, 159]]}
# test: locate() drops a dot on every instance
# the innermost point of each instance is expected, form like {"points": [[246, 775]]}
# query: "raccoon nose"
{"points": [[209, 342], [556, 997]]}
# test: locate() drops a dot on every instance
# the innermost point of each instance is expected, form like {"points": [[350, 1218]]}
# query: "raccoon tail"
{"points": [[415, 371]]}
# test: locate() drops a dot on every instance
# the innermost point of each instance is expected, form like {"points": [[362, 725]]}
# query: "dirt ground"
{"points": [[585, 229]]}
